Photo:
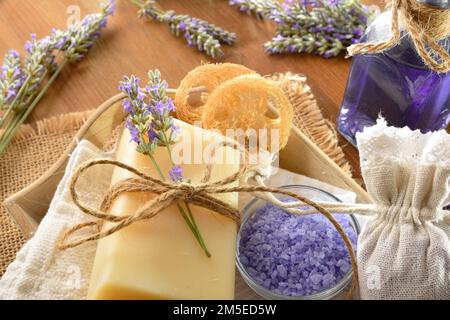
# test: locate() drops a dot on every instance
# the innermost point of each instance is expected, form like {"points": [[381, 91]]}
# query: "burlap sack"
{"points": [[404, 253]]}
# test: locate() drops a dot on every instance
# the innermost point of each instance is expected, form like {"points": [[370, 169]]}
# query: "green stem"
{"points": [[5, 116], [191, 215], [192, 225], [9, 127], [158, 169], [141, 5], [13, 104], [137, 2], [36, 100], [200, 238]]}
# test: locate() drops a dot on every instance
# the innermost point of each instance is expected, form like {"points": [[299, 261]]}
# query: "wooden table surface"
{"points": [[132, 46]]}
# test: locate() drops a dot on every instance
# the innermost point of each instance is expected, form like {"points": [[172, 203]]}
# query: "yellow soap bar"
{"points": [[160, 258]]}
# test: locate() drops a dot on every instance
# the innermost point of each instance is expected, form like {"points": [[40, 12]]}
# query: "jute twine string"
{"points": [[170, 193], [426, 25]]}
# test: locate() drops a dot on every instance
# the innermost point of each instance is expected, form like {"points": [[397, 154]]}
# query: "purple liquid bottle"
{"points": [[394, 84]]}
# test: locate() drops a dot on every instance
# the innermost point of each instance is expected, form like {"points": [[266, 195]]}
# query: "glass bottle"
{"points": [[395, 84]]}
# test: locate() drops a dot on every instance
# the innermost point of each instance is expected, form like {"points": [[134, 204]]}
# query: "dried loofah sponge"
{"points": [[250, 102], [206, 77]]}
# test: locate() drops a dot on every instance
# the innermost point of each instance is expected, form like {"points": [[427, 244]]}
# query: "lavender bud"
{"points": [[201, 34], [81, 37], [11, 77], [334, 24]]}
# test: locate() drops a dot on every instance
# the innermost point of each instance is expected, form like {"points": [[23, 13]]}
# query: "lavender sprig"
{"points": [[81, 37], [41, 62], [151, 124], [260, 8], [11, 78], [205, 36], [161, 107], [324, 27]]}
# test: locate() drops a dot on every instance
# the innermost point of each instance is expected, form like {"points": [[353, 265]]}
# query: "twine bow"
{"points": [[425, 25], [169, 193]]}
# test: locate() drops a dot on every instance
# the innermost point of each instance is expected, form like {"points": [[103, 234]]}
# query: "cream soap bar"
{"points": [[160, 258]]}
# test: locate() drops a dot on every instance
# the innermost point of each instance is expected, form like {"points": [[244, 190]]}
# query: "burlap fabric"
{"points": [[32, 152], [37, 147]]}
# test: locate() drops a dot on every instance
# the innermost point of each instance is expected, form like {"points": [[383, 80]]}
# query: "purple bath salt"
{"points": [[295, 255]]}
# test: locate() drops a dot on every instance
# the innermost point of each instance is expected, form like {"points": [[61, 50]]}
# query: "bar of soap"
{"points": [[160, 258]]}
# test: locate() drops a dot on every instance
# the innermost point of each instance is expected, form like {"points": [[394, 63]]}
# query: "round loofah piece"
{"points": [[206, 77], [250, 102]]}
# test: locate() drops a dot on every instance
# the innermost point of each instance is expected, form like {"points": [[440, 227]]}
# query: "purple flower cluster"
{"points": [[39, 62], [260, 8], [295, 255], [11, 77], [176, 174], [324, 27], [82, 36], [150, 120], [40, 59], [205, 36], [161, 107], [138, 120]]}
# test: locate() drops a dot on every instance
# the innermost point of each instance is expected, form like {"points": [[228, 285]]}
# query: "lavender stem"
{"points": [[25, 114]]}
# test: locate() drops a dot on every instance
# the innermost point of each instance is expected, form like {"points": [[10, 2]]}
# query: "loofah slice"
{"points": [[206, 77], [250, 102]]}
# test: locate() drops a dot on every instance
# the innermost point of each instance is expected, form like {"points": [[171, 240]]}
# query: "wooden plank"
{"points": [[132, 45]]}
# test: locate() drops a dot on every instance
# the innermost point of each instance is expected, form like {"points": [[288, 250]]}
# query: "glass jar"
{"points": [[335, 292], [394, 84]]}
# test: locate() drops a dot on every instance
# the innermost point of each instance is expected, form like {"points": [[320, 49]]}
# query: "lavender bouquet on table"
{"points": [[151, 125], [24, 83], [324, 27], [198, 33]]}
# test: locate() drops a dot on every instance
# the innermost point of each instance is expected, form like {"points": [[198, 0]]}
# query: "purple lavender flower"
{"points": [[182, 26], [11, 77], [160, 107], [149, 113], [138, 114], [134, 132], [152, 135], [41, 54], [176, 174], [21, 86], [40, 60], [260, 8], [127, 106], [82, 36], [205, 36], [313, 26]]}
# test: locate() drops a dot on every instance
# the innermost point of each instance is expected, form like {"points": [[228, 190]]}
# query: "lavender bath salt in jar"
{"points": [[398, 72], [285, 256]]}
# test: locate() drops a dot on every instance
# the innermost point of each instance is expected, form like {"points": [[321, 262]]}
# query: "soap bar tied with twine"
{"points": [[169, 193], [427, 26]]}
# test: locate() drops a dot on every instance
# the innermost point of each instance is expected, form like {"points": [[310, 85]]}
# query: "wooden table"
{"points": [[132, 46]]}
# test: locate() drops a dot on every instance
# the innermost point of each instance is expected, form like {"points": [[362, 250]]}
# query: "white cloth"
{"points": [[404, 253], [41, 271]]}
